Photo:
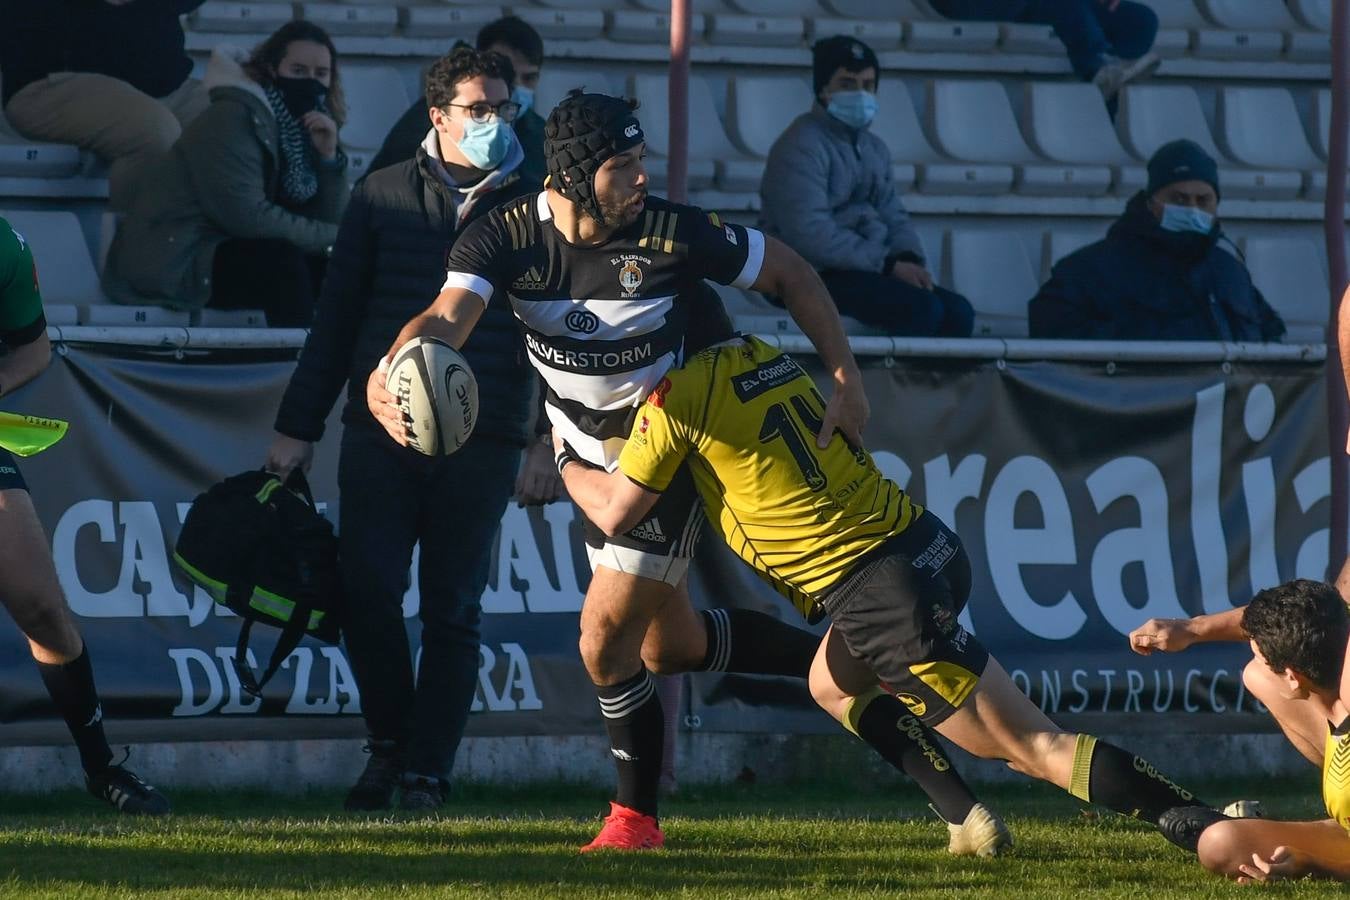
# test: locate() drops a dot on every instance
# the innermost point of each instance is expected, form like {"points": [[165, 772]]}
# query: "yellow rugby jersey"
{"points": [[746, 416], [1336, 774]]}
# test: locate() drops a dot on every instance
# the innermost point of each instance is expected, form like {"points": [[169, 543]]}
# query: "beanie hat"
{"points": [[582, 132], [1181, 161], [840, 52]]}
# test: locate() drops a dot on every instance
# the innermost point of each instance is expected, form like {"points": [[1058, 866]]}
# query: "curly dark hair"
{"points": [[1301, 625], [265, 58], [460, 65]]}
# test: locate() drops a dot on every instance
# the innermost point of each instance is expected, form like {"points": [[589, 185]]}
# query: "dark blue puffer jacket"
{"points": [[387, 266], [1145, 284]]}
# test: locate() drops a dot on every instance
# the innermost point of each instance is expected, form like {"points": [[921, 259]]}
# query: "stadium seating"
{"points": [[978, 118], [65, 269], [1291, 275], [1067, 123], [1260, 128], [447, 22], [973, 121], [1153, 114], [248, 18], [992, 270], [564, 24], [897, 124], [627, 26], [760, 108], [1313, 14], [712, 156], [367, 19], [1321, 130], [376, 98]]}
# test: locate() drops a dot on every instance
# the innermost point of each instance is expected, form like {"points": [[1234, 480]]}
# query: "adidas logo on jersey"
{"points": [[622, 754], [532, 280], [650, 530]]}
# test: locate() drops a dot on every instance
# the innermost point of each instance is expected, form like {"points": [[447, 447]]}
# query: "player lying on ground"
{"points": [[606, 283], [1300, 722], [1299, 633], [29, 588], [837, 538]]}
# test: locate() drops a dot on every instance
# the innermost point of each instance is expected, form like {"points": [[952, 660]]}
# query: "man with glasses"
{"points": [[389, 256], [524, 49]]}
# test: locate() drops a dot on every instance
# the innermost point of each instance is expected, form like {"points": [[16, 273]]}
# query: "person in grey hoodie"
{"points": [[828, 194], [242, 211]]}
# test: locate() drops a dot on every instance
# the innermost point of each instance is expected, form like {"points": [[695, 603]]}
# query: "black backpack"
{"points": [[258, 546]]}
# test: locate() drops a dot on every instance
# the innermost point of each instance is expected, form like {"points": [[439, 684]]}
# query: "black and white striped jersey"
{"points": [[602, 324]]}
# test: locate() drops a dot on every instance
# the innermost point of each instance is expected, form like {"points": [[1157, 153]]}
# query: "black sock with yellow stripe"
{"points": [[1105, 774], [910, 746]]}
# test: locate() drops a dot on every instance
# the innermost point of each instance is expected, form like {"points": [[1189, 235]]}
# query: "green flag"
{"points": [[27, 435]]}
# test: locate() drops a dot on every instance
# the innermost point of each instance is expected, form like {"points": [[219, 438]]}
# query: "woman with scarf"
{"points": [[243, 211]]}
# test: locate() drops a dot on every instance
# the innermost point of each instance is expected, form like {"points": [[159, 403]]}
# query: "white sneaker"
{"points": [[1116, 73], [1244, 809], [981, 834]]}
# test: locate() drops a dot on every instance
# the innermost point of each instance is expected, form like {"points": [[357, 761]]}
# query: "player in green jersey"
{"points": [[29, 588]]}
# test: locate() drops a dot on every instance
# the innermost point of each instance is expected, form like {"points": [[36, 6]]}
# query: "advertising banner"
{"points": [[1090, 498]]}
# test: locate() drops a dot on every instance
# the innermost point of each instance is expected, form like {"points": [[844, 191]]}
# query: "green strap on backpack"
{"points": [[259, 546]]}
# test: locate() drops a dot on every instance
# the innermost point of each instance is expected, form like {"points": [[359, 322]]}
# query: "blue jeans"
{"points": [[1088, 31], [391, 498]]}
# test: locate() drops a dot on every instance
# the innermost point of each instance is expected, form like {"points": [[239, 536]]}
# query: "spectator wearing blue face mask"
{"points": [[1161, 272], [388, 260], [828, 194], [514, 39]]}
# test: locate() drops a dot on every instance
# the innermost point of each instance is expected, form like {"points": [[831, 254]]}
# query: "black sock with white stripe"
{"points": [[636, 726], [754, 643], [71, 686]]}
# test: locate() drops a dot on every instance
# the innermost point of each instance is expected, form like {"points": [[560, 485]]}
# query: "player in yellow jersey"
{"points": [[836, 537], [1299, 632]]}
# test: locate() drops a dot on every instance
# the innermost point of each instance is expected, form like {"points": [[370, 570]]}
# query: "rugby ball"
{"points": [[437, 393]]}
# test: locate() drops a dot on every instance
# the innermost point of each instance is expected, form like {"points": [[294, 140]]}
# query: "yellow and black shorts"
{"points": [[896, 612]]}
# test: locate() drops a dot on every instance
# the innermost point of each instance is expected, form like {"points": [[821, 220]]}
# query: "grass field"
{"points": [[726, 841]]}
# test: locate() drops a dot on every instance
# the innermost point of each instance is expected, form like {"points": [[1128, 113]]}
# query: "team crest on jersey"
{"points": [[630, 278]]}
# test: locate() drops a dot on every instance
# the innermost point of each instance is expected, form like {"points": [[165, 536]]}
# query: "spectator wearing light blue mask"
{"points": [[828, 194], [388, 259], [522, 46], [1165, 270]]}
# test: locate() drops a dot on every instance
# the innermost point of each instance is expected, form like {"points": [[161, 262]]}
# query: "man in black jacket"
{"points": [[519, 43], [1160, 274], [389, 257]]}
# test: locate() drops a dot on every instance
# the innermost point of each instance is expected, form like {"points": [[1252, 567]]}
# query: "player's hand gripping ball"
{"points": [[436, 393]]}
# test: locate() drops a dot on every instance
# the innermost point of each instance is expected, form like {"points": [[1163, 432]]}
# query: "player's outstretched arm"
{"points": [[787, 276], [451, 318], [1175, 635], [612, 501]]}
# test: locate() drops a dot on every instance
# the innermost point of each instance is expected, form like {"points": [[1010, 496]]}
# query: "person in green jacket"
{"points": [[29, 588], [244, 209]]}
